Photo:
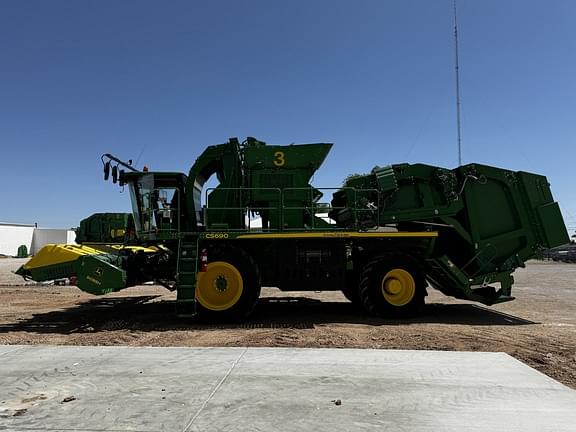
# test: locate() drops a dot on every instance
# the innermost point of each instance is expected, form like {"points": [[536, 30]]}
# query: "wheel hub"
{"points": [[221, 283], [393, 286], [398, 287]]}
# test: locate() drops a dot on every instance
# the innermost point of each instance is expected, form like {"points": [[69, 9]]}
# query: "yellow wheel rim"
{"points": [[398, 287], [219, 287]]}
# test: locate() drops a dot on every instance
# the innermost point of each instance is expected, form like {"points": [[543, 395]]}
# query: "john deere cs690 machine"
{"points": [[384, 237]]}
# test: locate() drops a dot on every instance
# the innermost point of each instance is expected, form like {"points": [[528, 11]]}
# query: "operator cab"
{"points": [[157, 203]]}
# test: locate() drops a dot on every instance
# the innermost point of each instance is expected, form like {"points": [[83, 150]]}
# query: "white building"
{"points": [[12, 236]]}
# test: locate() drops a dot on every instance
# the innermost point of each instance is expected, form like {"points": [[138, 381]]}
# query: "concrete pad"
{"points": [[274, 389]]}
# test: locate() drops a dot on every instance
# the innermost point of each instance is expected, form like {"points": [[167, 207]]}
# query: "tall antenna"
{"points": [[458, 125]]}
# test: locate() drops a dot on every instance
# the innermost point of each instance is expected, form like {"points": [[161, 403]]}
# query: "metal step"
{"points": [[186, 278]]}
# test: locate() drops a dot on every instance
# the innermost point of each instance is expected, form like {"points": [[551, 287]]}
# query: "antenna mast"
{"points": [[458, 125]]}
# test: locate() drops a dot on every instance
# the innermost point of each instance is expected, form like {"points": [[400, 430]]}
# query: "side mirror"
{"points": [[107, 170], [114, 174]]}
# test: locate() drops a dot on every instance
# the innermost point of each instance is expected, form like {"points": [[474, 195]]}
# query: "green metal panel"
{"points": [[279, 177], [552, 224], [98, 274], [103, 228], [386, 178], [49, 272], [306, 157]]}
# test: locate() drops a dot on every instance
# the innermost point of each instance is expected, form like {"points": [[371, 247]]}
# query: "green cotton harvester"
{"points": [[381, 238]]}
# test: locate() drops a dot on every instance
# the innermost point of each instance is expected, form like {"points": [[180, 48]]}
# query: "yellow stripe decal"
{"points": [[52, 254], [339, 235]]}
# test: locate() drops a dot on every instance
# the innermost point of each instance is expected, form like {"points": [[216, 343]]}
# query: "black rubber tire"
{"points": [[351, 290], [370, 291], [250, 279]]}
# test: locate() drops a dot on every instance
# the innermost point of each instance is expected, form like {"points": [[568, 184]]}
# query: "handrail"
{"points": [[314, 208]]}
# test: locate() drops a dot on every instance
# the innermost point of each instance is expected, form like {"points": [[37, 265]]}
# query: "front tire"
{"points": [[350, 291], [230, 288], [392, 287]]}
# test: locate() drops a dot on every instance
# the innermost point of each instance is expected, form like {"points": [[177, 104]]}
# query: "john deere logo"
{"points": [[94, 281], [98, 271]]}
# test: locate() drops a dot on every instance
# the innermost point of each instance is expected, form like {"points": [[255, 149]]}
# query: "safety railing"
{"points": [[363, 213], [242, 214], [293, 209]]}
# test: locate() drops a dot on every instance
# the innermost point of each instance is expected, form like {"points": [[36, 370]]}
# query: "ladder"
{"points": [[186, 276]]}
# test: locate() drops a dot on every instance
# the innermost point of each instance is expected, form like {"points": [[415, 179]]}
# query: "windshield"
{"points": [[155, 209]]}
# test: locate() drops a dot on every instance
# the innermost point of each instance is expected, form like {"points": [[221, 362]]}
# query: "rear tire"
{"points": [[392, 287], [230, 288]]}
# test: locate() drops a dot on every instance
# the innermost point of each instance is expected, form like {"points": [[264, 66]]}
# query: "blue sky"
{"points": [[162, 80]]}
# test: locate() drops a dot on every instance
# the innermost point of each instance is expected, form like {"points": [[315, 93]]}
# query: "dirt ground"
{"points": [[538, 328]]}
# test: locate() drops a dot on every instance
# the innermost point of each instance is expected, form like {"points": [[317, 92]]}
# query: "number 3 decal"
{"points": [[279, 161]]}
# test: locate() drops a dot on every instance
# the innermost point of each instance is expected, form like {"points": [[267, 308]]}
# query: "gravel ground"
{"points": [[539, 328], [7, 268]]}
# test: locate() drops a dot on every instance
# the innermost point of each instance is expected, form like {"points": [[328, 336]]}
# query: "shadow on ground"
{"points": [[146, 313]]}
